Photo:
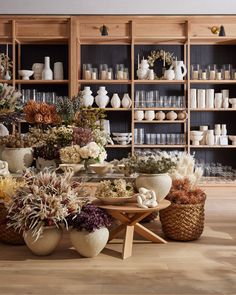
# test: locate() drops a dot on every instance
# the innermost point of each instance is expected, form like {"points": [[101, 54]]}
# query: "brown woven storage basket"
{"points": [[183, 222], [8, 235]]}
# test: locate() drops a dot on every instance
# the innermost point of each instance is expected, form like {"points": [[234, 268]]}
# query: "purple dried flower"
{"points": [[82, 136]]}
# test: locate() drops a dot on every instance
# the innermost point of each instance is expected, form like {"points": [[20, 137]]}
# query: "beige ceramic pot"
{"points": [[89, 244], [160, 183], [18, 158], [46, 244]]}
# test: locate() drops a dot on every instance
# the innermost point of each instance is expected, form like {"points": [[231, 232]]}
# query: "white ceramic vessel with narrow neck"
{"points": [[47, 72]]}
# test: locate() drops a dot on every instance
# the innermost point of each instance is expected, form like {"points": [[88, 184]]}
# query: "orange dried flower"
{"points": [[38, 118], [44, 109], [47, 119]]}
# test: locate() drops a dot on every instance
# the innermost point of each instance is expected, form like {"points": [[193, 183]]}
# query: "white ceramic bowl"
{"points": [[196, 133], [121, 134], [101, 168], [233, 139], [196, 137], [71, 167], [26, 74]]}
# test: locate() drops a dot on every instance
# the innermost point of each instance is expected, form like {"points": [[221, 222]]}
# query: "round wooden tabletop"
{"points": [[132, 207]]}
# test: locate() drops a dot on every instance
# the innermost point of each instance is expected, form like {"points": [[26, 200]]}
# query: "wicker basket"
{"points": [[183, 222], [8, 235]]}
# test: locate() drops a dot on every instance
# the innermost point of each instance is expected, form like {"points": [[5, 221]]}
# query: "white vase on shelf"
{"points": [[149, 115], [193, 98], [225, 102], [204, 129], [139, 115], [201, 98], [210, 138], [210, 98], [218, 100], [87, 98], [102, 99], [47, 72], [179, 69], [115, 101], [126, 101], [160, 116], [58, 71], [143, 70], [223, 130]]}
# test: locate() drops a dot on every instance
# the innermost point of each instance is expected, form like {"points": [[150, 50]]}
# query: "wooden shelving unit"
{"points": [[160, 122]]}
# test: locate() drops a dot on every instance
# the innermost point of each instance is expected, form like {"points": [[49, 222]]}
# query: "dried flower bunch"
{"points": [[101, 137], [82, 136], [182, 193], [48, 152], [160, 54], [114, 189], [5, 64], [70, 154], [40, 113], [46, 199], [185, 168], [9, 99], [8, 187], [90, 218], [18, 140], [157, 163], [89, 117], [67, 108]]}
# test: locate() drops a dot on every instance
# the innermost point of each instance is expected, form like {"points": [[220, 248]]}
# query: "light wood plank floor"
{"points": [[206, 266]]}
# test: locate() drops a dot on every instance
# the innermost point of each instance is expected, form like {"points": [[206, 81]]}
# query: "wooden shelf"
{"points": [[6, 81], [213, 146], [118, 146], [159, 146], [113, 109], [213, 110], [42, 40], [213, 81], [105, 40], [213, 40], [160, 82], [160, 109], [104, 81], [42, 81], [160, 40], [161, 122]]}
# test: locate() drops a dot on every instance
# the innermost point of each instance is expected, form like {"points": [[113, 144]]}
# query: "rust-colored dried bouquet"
{"points": [[40, 113], [182, 193]]}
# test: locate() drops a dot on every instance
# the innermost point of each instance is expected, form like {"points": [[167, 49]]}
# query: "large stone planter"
{"points": [[46, 243], [160, 183], [89, 244], [18, 158]]}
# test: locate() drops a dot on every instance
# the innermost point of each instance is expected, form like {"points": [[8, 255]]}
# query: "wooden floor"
{"points": [[206, 266]]}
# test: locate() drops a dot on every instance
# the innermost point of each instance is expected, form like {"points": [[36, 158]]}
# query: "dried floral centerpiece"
{"points": [[5, 65], [67, 108]]}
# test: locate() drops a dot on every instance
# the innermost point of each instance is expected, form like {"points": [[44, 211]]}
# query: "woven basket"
{"points": [[8, 235], [183, 222]]}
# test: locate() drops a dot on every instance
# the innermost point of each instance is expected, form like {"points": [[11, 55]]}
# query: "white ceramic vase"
{"points": [[225, 102], [210, 138], [171, 116], [210, 98], [115, 101], [160, 116], [47, 72], [46, 243], [102, 99], [201, 98], [87, 98], [38, 69], [193, 98], [151, 75], [89, 244], [204, 129], [160, 183], [149, 115], [139, 115], [143, 70], [218, 100], [179, 69], [58, 71], [42, 164], [18, 158], [126, 101], [169, 74], [223, 130]]}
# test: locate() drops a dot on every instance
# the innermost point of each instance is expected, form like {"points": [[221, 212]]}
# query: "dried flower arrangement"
{"points": [[89, 218], [114, 189], [67, 108], [9, 99], [5, 64], [70, 154], [182, 193], [40, 113], [157, 163], [18, 140], [82, 136], [8, 187], [48, 152], [46, 199], [89, 117]]}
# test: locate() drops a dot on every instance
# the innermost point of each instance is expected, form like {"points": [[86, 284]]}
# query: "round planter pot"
{"points": [[46, 243], [89, 244], [18, 158], [42, 163], [160, 183]]}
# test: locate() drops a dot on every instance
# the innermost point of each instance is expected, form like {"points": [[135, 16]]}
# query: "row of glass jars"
{"points": [[213, 72], [104, 72]]}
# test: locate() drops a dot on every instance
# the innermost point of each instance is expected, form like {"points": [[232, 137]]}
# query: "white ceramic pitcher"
{"points": [[180, 69]]}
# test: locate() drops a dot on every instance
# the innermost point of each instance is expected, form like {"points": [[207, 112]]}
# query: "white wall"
{"points": [[117, 6]]}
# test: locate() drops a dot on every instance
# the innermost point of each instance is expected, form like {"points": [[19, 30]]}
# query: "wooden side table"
{"points": [[130, 215]]}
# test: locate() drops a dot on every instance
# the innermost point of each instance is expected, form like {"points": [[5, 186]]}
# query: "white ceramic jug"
{"points": [[179, 69]]}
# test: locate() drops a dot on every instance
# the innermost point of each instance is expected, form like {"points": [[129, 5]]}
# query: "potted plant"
{"points": [[183, 220], [41, 206], [153, 172], [46, 156], [8, 187], [89, 233]]}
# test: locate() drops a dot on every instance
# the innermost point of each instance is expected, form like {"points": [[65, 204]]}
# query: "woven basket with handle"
{"points": [[183, 222], [8, 235]]}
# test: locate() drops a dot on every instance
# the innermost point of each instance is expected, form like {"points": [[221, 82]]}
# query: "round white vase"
{"points": [[126, 101], [149, 115], [171, 116], [102, 99], [139, 115], [87, 98], [42, 164], [47, 72], [115, 101], [160, 116], [210, 138], [18, 158], [160, 183], [46, 243], [89, 244]]}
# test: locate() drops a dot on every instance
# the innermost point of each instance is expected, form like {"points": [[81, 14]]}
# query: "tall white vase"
{"points": [[218, 100], [201, 98], [115, 101], [58, 71], [210, 98], [193, 98], [210, 138], [102, 99], [87, 98], [47, 72]]}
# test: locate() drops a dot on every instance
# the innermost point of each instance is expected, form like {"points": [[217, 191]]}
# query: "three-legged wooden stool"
{"points": [[130, 215]]}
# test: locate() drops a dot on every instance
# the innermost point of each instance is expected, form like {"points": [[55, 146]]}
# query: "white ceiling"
{"points": [[117, 7]]}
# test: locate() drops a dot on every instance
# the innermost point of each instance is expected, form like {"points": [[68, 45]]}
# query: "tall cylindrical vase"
{"points": [[201, 98], [47, 72], [210, 98], [193, 98]]}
